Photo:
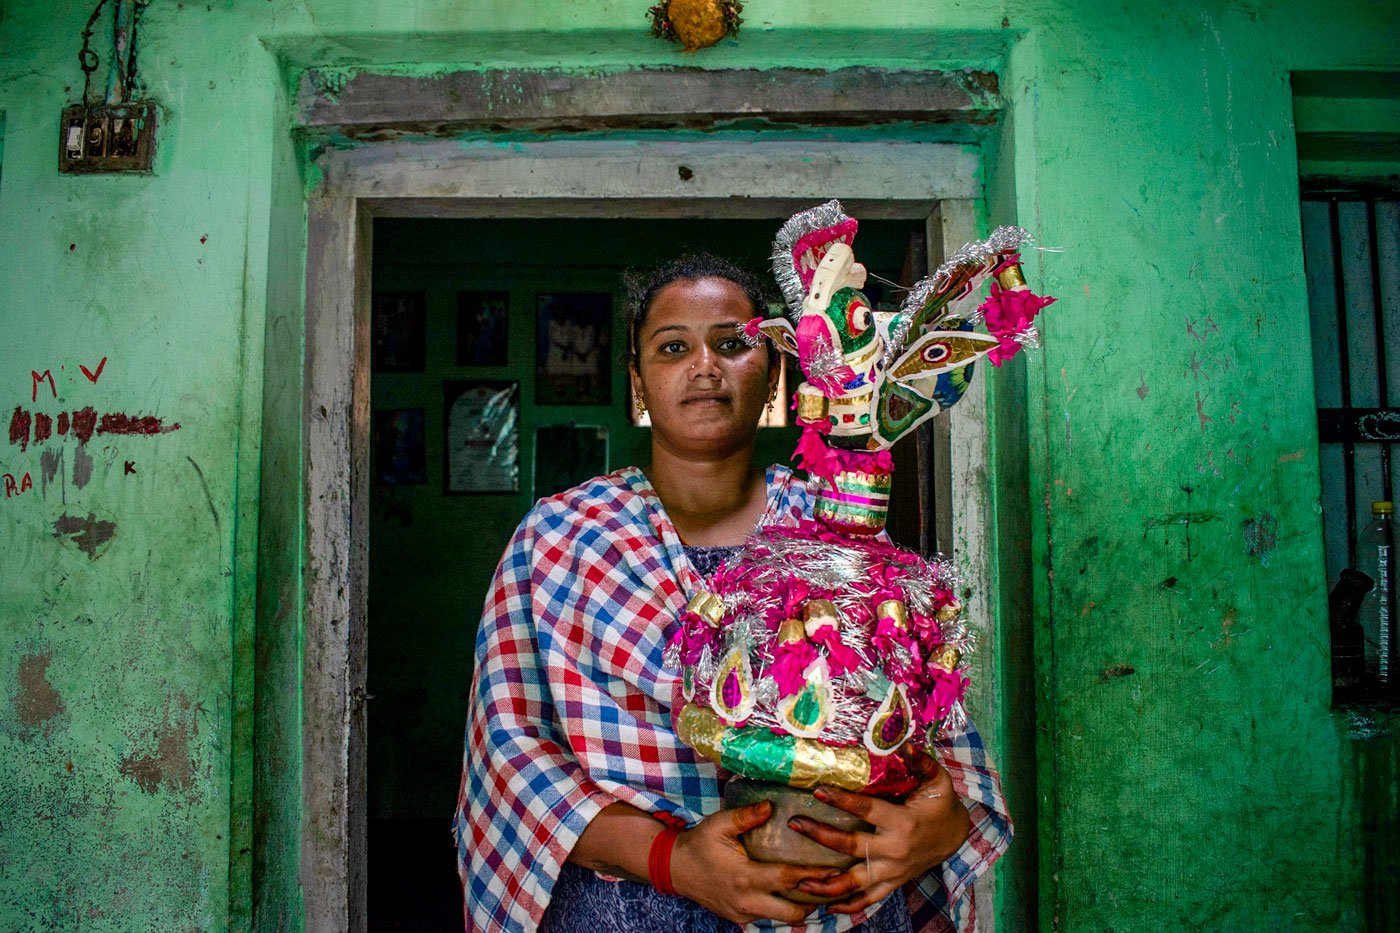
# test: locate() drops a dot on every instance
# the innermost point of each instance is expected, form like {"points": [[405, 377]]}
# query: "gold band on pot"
{"points": [[808, 761], [820, 609]]}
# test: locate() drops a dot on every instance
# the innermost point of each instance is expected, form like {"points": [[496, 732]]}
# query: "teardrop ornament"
{"points": [[892, 723], [731, 693], [805, 713]]}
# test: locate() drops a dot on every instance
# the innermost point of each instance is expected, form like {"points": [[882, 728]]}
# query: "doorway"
{"points": [[930, 185], [460, 306]]}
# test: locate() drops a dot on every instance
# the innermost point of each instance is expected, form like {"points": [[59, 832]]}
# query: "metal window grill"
{"points": [[1351, 252]]}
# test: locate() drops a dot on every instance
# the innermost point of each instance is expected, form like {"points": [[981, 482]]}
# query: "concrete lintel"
{"points": [[371, 105], [688, 171], [727, 208]]}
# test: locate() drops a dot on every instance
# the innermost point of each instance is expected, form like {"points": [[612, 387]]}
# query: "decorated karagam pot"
{"points": [[821, 653]]}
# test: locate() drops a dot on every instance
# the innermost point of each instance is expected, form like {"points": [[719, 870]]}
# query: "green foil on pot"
{"points": [[758, 753], [761, 753]]}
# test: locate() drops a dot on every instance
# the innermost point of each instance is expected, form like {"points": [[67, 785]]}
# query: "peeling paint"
{"points": [[36, 700], [1114, 671], [1261, 537], [169, 765], [1227, 629], [1181, 518]]}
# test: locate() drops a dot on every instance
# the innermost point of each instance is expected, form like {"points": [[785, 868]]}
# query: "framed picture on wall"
{"points": [[481, 437], [398, 329], [400, 451], [568, 454], [573, 337], [482, 319]]}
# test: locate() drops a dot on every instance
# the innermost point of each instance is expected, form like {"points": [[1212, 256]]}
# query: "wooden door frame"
{"points": [[732, 178]]}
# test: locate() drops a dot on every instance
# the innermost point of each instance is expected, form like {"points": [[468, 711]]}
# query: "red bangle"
{"points": [[659, 859]]}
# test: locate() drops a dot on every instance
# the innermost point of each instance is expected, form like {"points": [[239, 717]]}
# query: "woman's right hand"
{"points": [[709, 866]]}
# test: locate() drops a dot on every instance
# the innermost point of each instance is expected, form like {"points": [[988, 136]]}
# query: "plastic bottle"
{"points": [[1376, 553]]}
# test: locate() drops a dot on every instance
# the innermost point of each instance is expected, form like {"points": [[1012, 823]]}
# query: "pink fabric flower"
{"points": [[840, 657], [694, 635], [814, 456], [795, 596], [947, 690], [790, 660], [1006, 348], [867, 460], [1008, 313]]}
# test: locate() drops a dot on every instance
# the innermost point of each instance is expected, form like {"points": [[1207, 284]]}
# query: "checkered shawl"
{"points": [[570, 707]]}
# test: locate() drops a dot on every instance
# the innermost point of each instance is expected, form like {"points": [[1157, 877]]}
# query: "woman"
{"points": [[572, 762]]}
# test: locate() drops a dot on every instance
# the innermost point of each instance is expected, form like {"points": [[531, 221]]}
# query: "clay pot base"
{"points": [[775, 842]]}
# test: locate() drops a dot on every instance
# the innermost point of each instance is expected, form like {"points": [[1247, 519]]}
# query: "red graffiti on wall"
{"points": [[92, 376], [27, 426], [36, 380], [15, 487], [40, 428]]}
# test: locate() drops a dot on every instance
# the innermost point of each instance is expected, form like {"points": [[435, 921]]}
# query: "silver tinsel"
{"points": [[955, 723], [705, 666], [671, 657], [798, 226], [751, 340], [823, 362], [1003, 240]]}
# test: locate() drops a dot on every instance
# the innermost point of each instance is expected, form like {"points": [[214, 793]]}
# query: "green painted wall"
{"points": [[1170, 407]]}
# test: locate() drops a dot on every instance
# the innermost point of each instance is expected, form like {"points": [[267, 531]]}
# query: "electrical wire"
{"points": [[88, 60]]}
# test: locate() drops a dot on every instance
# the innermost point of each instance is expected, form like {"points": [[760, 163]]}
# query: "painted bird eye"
{"points": [[935, 353], [858, 317]]}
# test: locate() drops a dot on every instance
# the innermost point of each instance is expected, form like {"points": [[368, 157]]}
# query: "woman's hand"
{"points": [[709, 866], [909, 839]]}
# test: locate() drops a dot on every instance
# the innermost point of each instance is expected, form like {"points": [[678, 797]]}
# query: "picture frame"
{"points": [[573, 342], [483, 328], [400, 448], [398, 332], [481, 437]]}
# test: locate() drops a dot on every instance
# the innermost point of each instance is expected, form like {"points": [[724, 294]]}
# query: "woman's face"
{"points": [[703, 385]]}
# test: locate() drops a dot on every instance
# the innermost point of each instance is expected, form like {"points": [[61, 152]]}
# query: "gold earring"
{"points": [[641, 406], [772, 397]]}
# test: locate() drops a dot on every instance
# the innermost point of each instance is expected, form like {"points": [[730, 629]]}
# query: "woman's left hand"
{"points": [[909, 839]]}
